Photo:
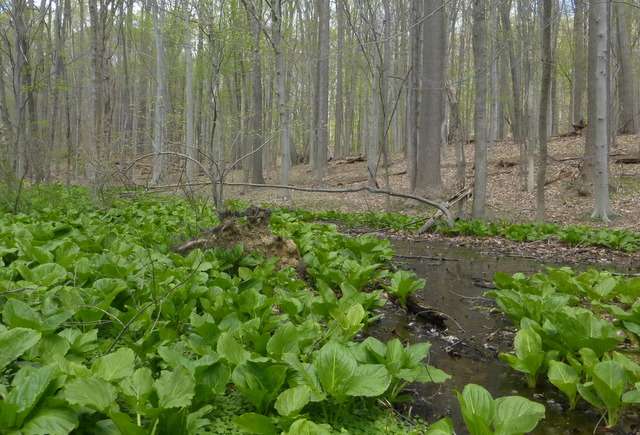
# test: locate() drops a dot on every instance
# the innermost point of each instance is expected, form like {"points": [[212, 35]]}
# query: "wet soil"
{"points": [[457, 278]]}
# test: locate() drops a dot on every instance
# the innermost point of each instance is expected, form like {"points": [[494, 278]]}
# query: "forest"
{"points": [[316, 217]]}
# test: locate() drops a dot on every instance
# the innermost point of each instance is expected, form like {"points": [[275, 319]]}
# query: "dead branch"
{"points": [[445, 211]]}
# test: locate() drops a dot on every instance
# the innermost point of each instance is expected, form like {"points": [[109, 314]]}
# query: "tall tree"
{"points": [[189, 145], [579, 64], [628, 118], [545, 90], [254, 11], [414, 92], [480, 108], [322, 95], [599, 21], [428, 176], [159, 120]]}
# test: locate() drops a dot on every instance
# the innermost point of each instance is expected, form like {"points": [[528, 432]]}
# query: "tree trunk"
{"points": [[545, 90], [190, 148], [479, 121], [257, 175], [599, 19], [159, 140], [579, 64], [628, 114], [414, 92], [428, 177], [281, 90], [339, 108], [322, 96]]}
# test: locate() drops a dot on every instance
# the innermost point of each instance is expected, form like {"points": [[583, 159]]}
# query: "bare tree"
{"points": [[545, 89], [628, 118], [159, 122], [189, 146], [579, 64], [428, 176], [322, 95], [599, 25], [480, 107]]}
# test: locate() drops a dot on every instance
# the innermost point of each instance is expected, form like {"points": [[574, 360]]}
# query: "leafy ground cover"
{"points": [[579, 331], [106, 330], [574, 235]]}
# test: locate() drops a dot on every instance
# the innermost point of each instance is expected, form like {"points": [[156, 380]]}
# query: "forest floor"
{"points": [[566, 203]]}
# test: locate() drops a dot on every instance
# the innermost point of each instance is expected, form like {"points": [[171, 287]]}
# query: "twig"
{"points": [[425, 257]]}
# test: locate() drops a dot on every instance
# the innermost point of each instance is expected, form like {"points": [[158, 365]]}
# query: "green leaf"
{"points": [[231, 350], [255, 424], [517, 415], [290, 402], [305, 427], [14, 342], [93, 393], [335, 366], [30, 383], [478, 409], [259, 382], [175, 388], [18, 314], [284, 340], [51, 421], [441, 427], [124, 424], [529, 355], [369, 380], [46, 275], [566, 379], [139, 385], [609, 382], [115, 366]]}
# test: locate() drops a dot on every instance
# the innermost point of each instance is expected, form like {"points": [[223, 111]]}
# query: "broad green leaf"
{"points": [[14, 342], [29, 384], [115, 366], [51, 421], [124, 424], [478, 409], [369, 380], [47, 274], [231, 350], [566, 379], [609, 382], [441, 427], [139, 385], [284, 340], [588, 392], [290, 402], [517, 415], [255, 424], [16, 313], [306, 427], [90, 392], [259, 382], [175, 388], [335, 367]]}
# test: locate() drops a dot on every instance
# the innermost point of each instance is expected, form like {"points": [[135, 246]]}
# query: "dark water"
{"points": [[468, 348]]}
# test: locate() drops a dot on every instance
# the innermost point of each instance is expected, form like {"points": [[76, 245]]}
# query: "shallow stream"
{"points": [[457, 278]]}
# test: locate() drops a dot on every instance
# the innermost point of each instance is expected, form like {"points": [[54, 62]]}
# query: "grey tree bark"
{"points": [[480, 103], [159, 120], [545, 91], [255, 12], [339, 103], [579, 64], [428, 174], [190, 148], [628, 114], [322, 97], [599, 16], [413, 108], [282, 93]]}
